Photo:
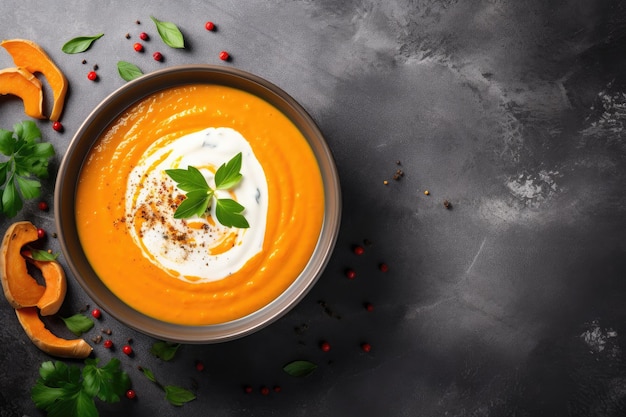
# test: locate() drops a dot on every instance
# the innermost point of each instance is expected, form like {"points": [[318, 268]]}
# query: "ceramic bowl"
{"points": [[104, 114]]}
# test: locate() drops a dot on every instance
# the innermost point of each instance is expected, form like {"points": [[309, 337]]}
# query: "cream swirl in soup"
{"points": [[198, 249]]}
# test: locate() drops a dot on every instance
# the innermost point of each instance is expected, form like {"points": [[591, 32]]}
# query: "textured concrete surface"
{"points": [[511, 303]]}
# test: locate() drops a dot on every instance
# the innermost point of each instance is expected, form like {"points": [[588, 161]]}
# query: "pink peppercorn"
{"points": [[366, 347], [144, 36], [277, 388], [41, 233], [43, 206], [210, 26], [369, 306], [127, 350], [157, 56], [96, 313], [138, 47], [92, 76], [199, 366], [224, 56], [108, 344], [358, 250], [57, 126], [350, 273], [325, 346], [247, 389], [265, 390], [130, 394], [383, 267]]}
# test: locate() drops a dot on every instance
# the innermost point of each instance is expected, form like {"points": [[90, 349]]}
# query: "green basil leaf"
{"points": [[178, 396], [300, 368], [28, 188], [4, 169], [169, 32], [165, 350], [195, 204], [148, 374], [43, 255], [228, 212], [78, 324], [228, 175], [190, 179], [128, 71], [80, 44]]}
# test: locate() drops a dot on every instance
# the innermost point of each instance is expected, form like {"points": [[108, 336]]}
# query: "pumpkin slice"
{"points": [[21, 83], [45, 340], [56, 286], [32, 57], [20, 288]]}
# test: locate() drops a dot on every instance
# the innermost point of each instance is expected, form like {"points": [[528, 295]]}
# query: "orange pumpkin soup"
{"points": [[164, 267]]}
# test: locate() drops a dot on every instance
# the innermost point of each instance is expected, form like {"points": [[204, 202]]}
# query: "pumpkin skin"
{"points": [[30, 56], [45, 340], [21, 83], [20, 288]]}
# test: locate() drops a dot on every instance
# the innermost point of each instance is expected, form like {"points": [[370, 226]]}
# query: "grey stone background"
{"points": [[509, 304]]}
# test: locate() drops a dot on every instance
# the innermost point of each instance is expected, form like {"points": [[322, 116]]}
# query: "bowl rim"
{"points": [[114, 105]]}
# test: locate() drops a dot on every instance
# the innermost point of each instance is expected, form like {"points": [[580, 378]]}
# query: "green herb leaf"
{"points": [[228, 175], [190, 179], [27, 158], [128, 71], [108, 383], [195, 204], [169, 32], [178, 396], [300, 368], [148, 374], [228, 212], [80, 44], [199, 195], [42, 255], [65, 391], [78, 324], [164, 350]]}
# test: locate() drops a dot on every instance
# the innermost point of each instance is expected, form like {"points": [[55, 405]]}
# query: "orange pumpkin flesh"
{"points": [[30, 56], [21, 83], [45, 340], [56, 286], [20, 288]]}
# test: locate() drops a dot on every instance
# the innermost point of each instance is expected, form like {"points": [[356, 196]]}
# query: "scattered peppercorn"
{"points": [[325, 346], [54, 235], [107, 331], [144, 36], [130, 394], [247, 389], [277, 388], [358, 250], [57, 126], [92, 76], [138, 47], [127, 350], [350, 273], [137, 22], [447, 204], [265, 390], [84, 61], [95, 67], [426, 192], [368, 306], [399, 174], [43, 206], [224, 56], [366, 347], [108, 344], [96, 313], [210, 26], [383, 267], [398, 162], [157, 56], [385, 182], [41, 233], [97, 339], [199, 366], [127, 36]]}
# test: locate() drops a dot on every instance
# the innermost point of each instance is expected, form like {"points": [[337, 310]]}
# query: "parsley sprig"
{"points": [[28, 160], [200, 196], [66, 391]]}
